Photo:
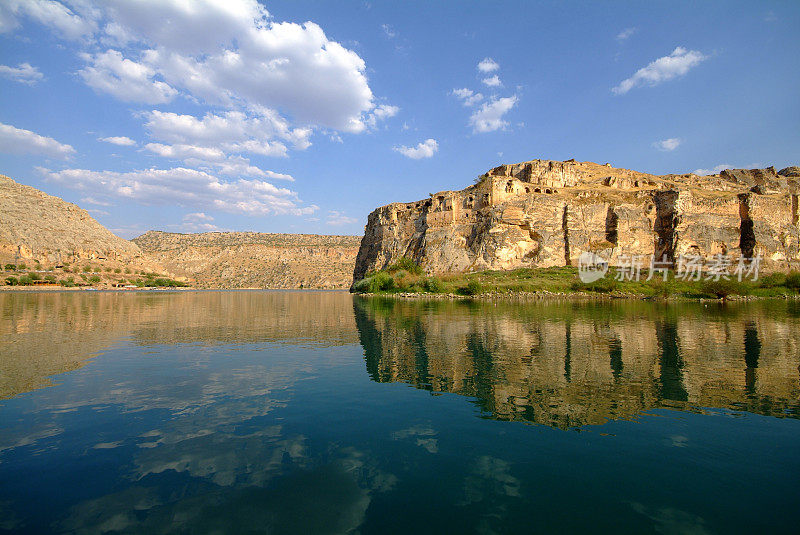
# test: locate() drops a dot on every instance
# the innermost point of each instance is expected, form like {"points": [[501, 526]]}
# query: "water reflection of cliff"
{"points": [[43, 334], [572, 364]]}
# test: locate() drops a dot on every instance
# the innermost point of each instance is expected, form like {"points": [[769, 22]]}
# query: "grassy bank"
{"points": [[88, 275], [407, 277]]}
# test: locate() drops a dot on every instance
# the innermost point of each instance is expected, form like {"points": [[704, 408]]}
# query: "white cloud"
{"points": [[389, 31], [467, 96], [668, 145], [677, 64], [381, 113], [18, 141], [492, 81], [122, 141], [424, 149], [55, 15], [488, 65], [233, 131], [23, 73], [715, 171], [198, 222], [489, 117], [230, 54], [336, 218], [184, 187], [185, 152], [626, 33], [127, 80], [92, 200]]}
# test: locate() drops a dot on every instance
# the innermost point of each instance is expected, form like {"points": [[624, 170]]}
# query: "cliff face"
{"points": [[546, 213], [37, 226], [255, 260]]}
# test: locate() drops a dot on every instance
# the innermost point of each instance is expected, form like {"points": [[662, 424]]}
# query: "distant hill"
{"points": [[37, 226], [255, 260]]}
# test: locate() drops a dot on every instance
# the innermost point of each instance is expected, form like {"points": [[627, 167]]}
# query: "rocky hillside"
{"points": [[546, 213], [35, 226], [255, 260]]}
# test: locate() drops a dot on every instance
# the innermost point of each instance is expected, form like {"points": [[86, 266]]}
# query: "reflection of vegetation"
{"points": [[564, 280], [570, 363]]}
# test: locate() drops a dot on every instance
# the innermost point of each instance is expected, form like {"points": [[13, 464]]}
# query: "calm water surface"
{"points": [[319, 412]]}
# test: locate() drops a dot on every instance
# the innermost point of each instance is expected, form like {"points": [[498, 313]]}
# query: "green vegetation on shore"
{"points": [[89, 276], [407, 277]]}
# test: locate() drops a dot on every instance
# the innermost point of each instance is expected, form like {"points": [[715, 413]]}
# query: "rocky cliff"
{"points": [[545, 213], [37, 226], [255, 260]]}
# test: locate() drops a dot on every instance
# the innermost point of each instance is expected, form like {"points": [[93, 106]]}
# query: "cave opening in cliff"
{"points": [[747, 236], [565, 228], [666, 224], [612, 222]]}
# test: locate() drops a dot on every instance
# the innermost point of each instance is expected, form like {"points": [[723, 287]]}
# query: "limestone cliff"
{"points": [[255, 260], [545, 213], [37, 226]]}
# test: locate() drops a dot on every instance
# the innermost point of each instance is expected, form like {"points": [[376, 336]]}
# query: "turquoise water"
{"points": [[320, 412]]}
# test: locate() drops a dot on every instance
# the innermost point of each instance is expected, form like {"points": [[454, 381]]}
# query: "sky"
{"points": [[304, 116]]}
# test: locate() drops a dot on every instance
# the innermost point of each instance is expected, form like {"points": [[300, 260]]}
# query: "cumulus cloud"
{"points": [[127, 80], [184, 187], [198, 222], [492, 81], [715, 171], [122, 141], [185, 152], [677, 64], [668, 145], [18, 141], [55, 15], [626, 33], [23, 73], [381, 113], [424, 149], [489, 117], [336, 219], [233, 131], [488, 65], [467, 96], [230, 54]]}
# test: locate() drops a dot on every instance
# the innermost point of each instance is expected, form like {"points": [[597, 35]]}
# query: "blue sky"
{"points": [[303, 116]]}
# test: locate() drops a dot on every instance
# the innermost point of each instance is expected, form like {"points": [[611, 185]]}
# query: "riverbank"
{"points": [[407, 280]]}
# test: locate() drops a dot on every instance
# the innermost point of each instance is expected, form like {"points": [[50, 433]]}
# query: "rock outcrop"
{"points": [[36, 226], [546, 213], [255, 260]]}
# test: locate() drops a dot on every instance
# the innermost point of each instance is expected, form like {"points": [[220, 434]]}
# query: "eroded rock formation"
{"points": [[254, 259], [545, 213]]}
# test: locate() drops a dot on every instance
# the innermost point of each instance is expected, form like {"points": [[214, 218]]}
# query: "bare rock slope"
{"points": [[544, 213], [37, 226], [255, 260]]}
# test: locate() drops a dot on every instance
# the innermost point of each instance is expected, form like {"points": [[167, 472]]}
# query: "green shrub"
{"points": [[94, 279], [12, 281], [405, 264], [25, 280], [723, 288], [432, 285], [117, 270], [67, 283], [773, 280], [87, 269], [604, 285], [127, 271], [50, 278], [793, 280], [22, 267], [473, 287], [10, 267], [378, 282], [34, 276]]}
